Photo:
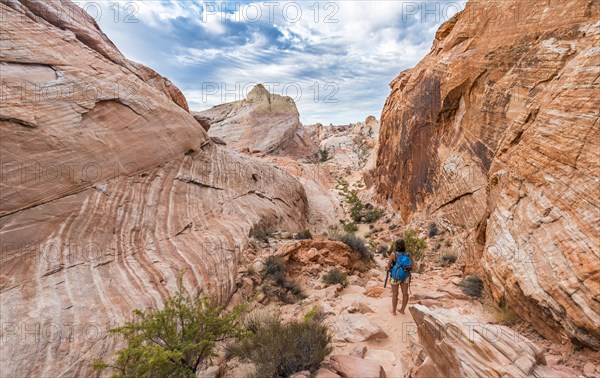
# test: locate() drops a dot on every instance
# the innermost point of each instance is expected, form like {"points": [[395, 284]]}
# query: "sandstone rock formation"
{"points": [[110, 189], [455, 346], [497, 129], [262, 122], [350, 367]]}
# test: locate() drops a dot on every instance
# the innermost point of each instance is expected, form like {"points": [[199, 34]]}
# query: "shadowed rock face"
{"points": [[109, 188], [262, 122], [497, 129]]}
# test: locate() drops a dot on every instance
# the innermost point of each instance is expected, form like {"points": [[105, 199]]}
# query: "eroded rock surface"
{"points": [[261, 123], [109, 190], [497, 130], [456, 346]]}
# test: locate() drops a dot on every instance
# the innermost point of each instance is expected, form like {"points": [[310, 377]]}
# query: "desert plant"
{"points": [[279, 350], [261, 233], [350, 228], [472, 285], [275, 269], [448, 258], [372, 214], [174, 341], [358, 245], [334, 277], [324, 153], [315, 314], [303, 235], [414, 244], [433, 229]]}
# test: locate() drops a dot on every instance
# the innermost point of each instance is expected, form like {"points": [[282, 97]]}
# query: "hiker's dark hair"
{"points": [[400, 245]]}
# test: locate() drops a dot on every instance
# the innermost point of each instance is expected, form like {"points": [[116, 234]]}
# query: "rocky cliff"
{"points": [[110, 189], [497, 130]]}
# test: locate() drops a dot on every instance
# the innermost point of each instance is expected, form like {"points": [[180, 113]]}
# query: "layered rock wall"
{"points": [[497, 129], [110, 191]]}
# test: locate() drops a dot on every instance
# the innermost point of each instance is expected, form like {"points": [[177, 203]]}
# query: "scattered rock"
{"points": [[355, 327], [354, 367], [454, 292], [375, 292], [211, 372], [589, 370], [302, 374], [381, 356], [359, 351], [325, 373]]}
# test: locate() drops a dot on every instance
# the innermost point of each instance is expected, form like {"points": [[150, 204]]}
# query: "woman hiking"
{"points": [[399, 266]]}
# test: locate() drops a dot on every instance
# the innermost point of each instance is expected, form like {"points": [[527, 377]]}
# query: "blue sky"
{"points": [[335, 58]]}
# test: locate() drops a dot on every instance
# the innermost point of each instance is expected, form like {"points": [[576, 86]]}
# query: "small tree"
{"points": [[414, 244], [174, 341]]}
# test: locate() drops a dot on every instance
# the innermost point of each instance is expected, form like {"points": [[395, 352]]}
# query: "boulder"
{"points": [[355, 328], [457, 346], [353, 367], [262, 122]]}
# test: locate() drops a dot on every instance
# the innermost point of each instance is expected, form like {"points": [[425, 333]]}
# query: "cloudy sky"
{"points": [[335, 58]]}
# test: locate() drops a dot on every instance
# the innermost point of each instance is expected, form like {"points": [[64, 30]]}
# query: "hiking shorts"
{"points": [[397, 282]]}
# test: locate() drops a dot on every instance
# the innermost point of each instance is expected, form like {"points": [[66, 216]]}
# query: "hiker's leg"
{"points": [[404, 296], [394, 298]]}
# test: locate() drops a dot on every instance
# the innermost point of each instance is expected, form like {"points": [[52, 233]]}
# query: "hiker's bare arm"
{"points": [[390, 261]]}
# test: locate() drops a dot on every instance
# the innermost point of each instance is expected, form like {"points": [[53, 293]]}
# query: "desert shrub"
{"points": [[174, 341], [275, 272], [372, 214], [358, 245], [472, 285], [392, 227], [324, 155], [261, 233], [303, 235], [279, 350], [335, 234], [350, 228], [448, 258], [414, 244], [275, 269], [334, 277], [315, 314], [252, 321], [433, 229]]}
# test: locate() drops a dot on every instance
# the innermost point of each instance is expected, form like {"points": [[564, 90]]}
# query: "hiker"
{"points": [[399, 266]]}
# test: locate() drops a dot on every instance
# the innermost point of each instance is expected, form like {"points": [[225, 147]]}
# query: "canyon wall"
{"points": [[110, 190], [497, 129]]}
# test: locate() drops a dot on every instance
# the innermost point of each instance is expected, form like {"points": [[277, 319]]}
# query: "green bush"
{"points": [[358, 245], [350, 228], [324, 155], [433, 229], [371, 214], [302, 235], [174, 341], [414, 244], [334, 277], [472, 285], [279, 350], [315, 314]]}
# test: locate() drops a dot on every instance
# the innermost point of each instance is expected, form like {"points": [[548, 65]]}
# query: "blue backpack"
{"points": [[401, 268]]}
